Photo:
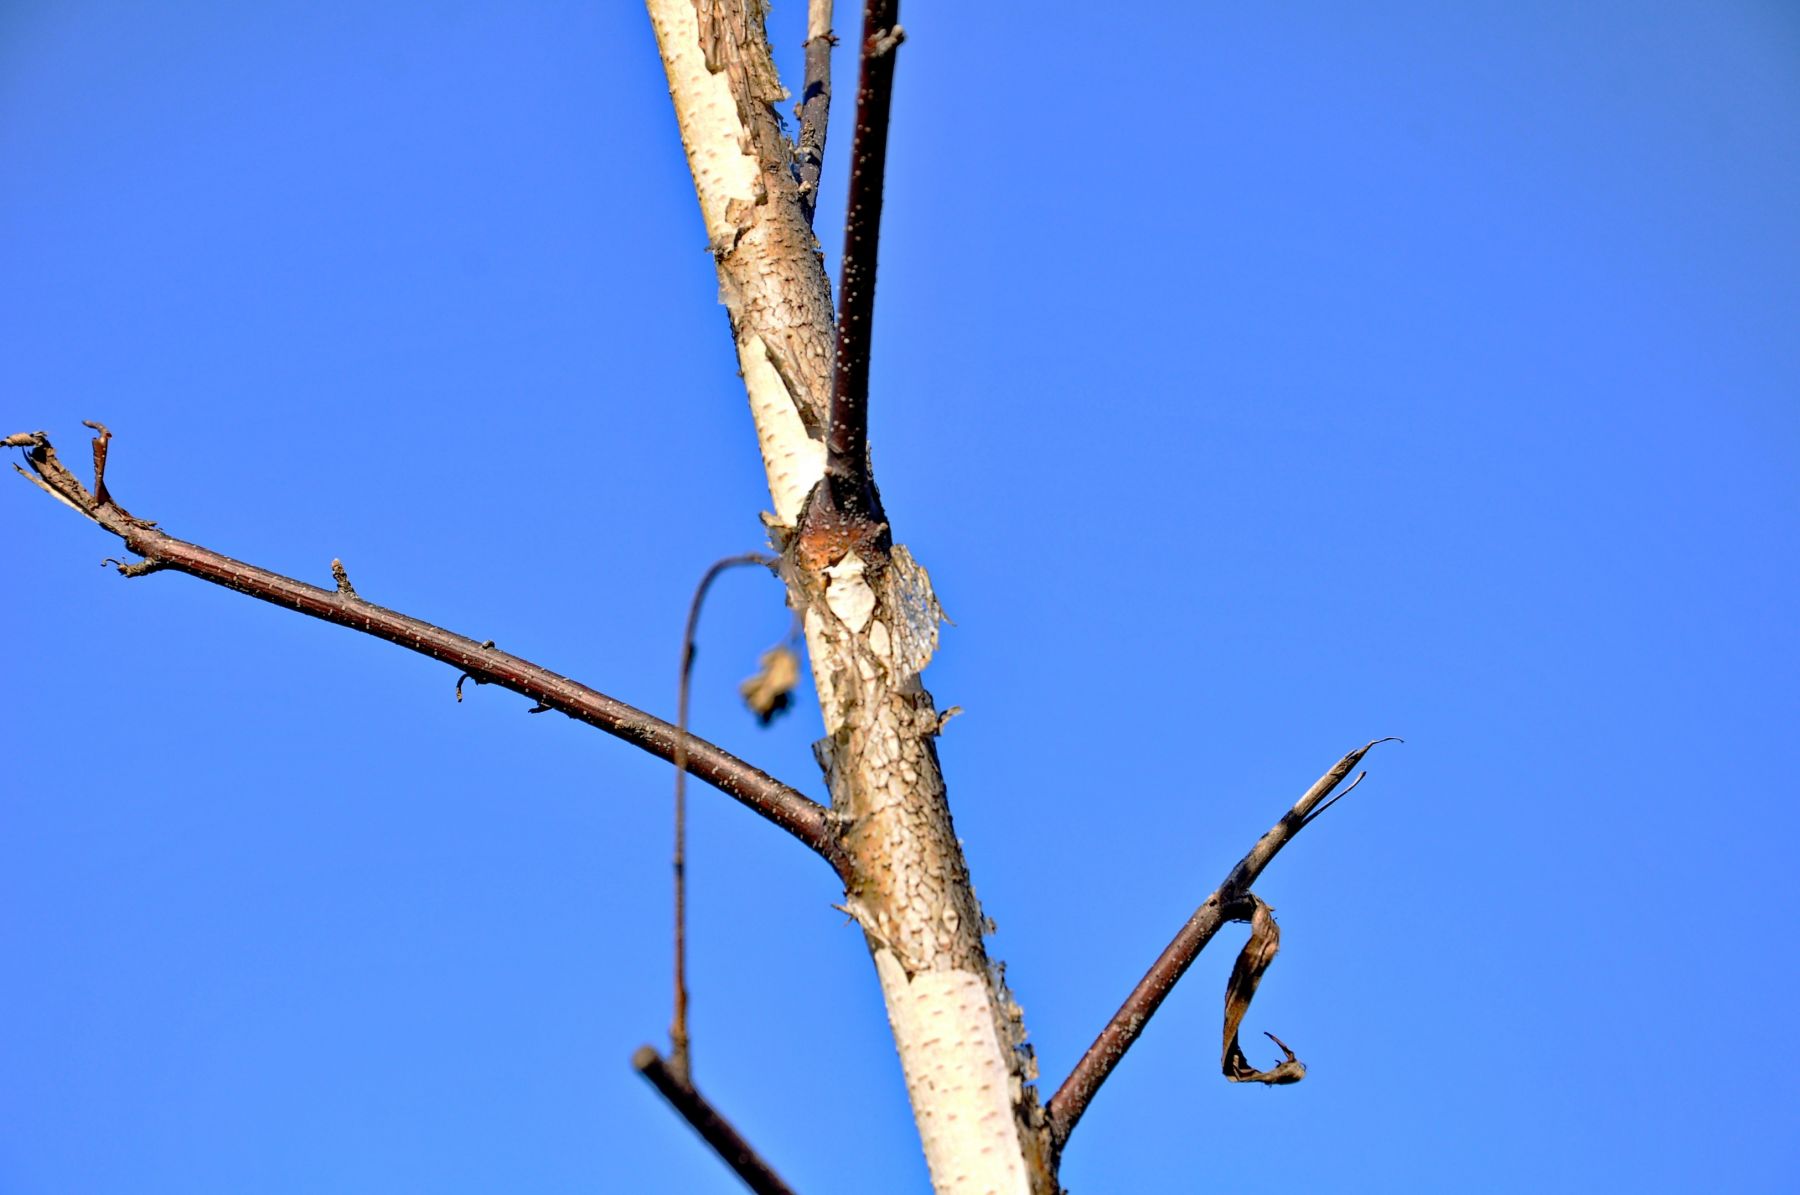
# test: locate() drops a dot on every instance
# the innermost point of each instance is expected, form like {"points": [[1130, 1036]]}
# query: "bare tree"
{"points": [[870, 623]]}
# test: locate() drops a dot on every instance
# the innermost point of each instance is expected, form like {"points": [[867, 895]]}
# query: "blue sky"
{"points": [[1255, 381]]}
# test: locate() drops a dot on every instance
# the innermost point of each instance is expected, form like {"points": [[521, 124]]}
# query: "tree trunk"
{"points": [[871, 626]]}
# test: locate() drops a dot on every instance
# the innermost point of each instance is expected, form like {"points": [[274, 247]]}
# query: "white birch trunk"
{"points": [[870, 628]]}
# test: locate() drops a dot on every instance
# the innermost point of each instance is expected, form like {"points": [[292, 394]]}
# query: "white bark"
{"points": [[870, 627], [956, 1076]]}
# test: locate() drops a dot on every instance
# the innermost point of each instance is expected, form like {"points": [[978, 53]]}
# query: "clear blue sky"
{"points": [[1254, 380]]}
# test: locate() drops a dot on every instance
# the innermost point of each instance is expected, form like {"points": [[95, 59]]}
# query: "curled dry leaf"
{"points": [[1246, 973], [771, 690]]}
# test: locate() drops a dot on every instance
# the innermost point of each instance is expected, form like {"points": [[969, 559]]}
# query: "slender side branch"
{"points": [[847, 437], [814, 109], [786, 807], [714, 1129], [679, 1056], [1230, 902]]}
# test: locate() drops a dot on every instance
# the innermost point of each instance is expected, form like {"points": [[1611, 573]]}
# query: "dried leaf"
{"points": [[771, 690], [1246, 973]]}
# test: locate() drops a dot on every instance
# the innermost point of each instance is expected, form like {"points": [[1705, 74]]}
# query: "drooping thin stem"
{"points": [[814, 109], [800, 816], [680, 1056], [713, 1128], [1227, 903], [847, 442]]}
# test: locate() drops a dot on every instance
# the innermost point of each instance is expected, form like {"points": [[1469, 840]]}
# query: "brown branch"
{"points": [[679, 1055], [714, 1129], [814, 109], [1228, 903], [848, 485], [805, 819]]}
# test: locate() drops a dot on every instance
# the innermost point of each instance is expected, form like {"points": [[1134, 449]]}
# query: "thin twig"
{"points": [[814, 109], [1227, 903], [680, 1058], [847, 442], [800, 816], [714, 1129]]}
